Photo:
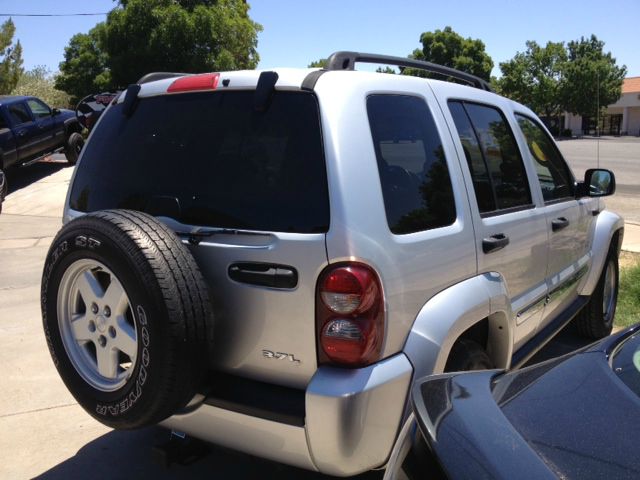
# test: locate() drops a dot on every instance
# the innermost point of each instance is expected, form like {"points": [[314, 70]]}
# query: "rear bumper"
{"points": [[351, 421]]}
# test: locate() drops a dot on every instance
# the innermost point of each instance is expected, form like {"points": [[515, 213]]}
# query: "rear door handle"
{"points": [[264, 274], [559, 223], [494, 242]]}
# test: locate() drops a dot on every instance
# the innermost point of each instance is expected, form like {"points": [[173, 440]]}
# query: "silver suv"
{"points": [[269, 260]]}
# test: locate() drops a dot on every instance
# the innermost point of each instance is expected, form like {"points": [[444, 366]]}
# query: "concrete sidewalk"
{"points": [[631, 240]]}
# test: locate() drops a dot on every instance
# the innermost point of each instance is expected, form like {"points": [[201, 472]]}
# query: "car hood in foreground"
{"points": [[570, 417]]}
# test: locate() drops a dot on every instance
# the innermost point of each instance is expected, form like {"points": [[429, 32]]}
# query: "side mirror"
{"points": [[55, 112], [598, 182]]}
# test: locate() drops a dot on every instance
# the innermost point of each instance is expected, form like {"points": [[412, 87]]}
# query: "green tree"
{"points": [[321, 63], [40, 83], [143, 36], [535, 77], [448, 48], [10, 58], [84, 69], [591, 77]]}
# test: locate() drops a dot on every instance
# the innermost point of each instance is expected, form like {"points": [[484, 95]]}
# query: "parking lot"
{"points": [[45, 434]]}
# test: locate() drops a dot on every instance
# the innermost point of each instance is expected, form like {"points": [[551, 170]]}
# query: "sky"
{"points": [[297, 32]]}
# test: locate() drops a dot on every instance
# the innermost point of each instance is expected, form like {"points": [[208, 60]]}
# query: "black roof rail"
{"points": [[152, 77], [347, 61]]}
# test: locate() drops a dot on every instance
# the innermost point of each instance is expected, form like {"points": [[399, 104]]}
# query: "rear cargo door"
{"points": [[247, 189]]}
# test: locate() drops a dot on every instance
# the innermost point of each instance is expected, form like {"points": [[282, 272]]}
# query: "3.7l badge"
{"points": [[280, 356]]}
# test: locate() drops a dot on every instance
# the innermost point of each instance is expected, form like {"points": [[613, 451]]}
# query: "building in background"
{"points": [[621, 118]]}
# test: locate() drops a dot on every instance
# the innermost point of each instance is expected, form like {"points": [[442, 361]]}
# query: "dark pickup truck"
{"points": [[29, 129]]}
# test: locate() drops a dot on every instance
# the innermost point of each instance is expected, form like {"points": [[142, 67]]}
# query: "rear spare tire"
{"points": [[72, 149], [126, 314]]}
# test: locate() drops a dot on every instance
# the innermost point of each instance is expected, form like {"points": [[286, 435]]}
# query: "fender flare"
{"points": [[605, 227], [448, 314]]}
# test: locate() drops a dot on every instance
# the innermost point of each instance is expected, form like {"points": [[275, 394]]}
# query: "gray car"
{"points": [[267, 260]]}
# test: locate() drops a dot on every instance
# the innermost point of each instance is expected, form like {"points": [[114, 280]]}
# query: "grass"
{"points": [[628, 309]]}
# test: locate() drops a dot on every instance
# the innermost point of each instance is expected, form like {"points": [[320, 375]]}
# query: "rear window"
{"points": [[413, 170], [210, 159]]}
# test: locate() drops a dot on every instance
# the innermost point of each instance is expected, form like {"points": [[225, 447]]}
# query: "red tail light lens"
{"points": [[205, 81], [349, 315]]}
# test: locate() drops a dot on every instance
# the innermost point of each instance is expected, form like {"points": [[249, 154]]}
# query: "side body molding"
{"points": [[449, 313], [605, 226]]}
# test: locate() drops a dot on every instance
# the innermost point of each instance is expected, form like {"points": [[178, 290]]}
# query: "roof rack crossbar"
{"points": [[152, 77], [347, 61]]}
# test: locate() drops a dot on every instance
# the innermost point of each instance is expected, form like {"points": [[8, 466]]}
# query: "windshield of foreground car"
{"points": [[210, 159], [626, 363]]}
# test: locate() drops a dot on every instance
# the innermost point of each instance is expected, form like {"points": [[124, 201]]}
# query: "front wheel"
{"points": [[72, 150], [596, 319], [4, 188]]}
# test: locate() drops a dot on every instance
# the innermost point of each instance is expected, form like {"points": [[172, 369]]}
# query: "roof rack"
{"points": [[152, 77], [347, 61]]}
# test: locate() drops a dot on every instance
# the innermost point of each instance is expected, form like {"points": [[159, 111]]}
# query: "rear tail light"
{"points": [[191, 83], [349, 315]]}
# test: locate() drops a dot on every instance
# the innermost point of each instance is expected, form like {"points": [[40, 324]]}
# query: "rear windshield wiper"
{"points": [[197, 235]]}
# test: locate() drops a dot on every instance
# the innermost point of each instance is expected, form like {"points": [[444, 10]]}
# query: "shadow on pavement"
{"points": [[20, 177], [129, 454]]}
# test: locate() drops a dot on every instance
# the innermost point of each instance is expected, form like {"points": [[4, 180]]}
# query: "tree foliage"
{"points": [[84, 69], [591, 77], [534, 77], [563, 77], [142, 36], [448, 48], [320, 63], [10, 58], [39, 82], [189, 36]]}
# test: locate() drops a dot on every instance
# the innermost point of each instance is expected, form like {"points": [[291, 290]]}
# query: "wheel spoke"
{"points": [[89, 287], [125, 340], [80, 328], [116, 298], [107, 359]]}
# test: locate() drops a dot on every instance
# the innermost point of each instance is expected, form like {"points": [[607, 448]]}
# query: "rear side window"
{"points": [[499, 180], [210, 159], [553, 172], [413, 171]]}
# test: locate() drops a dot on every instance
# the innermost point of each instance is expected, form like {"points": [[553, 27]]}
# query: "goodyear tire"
{"points": [[74, 145], [126, 314]]}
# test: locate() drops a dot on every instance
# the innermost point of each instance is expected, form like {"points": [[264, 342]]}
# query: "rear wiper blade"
{"points": [[195, 236]]}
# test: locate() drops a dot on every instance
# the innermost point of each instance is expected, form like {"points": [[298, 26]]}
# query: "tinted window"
{"points": [[38, 108], [475, 159], [210, 159], [19, 113], [413, 171], [500, 154], [554, 175]]}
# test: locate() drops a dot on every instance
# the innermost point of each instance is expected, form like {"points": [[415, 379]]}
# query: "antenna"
{"points": [[598, 118]]}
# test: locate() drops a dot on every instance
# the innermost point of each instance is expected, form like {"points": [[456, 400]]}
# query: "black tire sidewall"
{"points": [[70, 149], [131, 405]]}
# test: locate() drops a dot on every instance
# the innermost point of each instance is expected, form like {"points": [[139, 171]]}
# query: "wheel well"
{"points": [[478, 332]]}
